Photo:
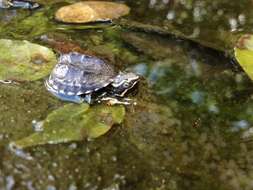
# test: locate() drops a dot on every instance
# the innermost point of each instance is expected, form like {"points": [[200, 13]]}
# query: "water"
{"points": [[191, 127]]}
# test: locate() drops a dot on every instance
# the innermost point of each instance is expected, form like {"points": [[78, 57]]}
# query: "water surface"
{"points": [[191, 127]]}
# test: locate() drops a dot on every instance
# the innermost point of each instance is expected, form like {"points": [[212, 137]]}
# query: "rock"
{"points": [[24, 61], [91, 11], [160, 48]]}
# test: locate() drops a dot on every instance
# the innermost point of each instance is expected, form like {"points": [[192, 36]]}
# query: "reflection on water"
{"points": [[191, 128]]}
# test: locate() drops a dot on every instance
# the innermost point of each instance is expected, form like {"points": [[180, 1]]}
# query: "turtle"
{"points": [[81, 78], [5, 4]]}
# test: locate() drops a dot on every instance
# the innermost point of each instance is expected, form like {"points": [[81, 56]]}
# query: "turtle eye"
{"points": [[126, 84]]}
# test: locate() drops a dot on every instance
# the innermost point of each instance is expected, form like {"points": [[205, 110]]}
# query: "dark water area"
{"points": [[191, 127]]}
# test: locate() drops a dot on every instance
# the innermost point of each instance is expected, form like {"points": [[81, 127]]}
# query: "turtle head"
{"points": [[123, 82]]}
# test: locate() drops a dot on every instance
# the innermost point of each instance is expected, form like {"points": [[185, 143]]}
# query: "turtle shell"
{"points": [[76, 74]]}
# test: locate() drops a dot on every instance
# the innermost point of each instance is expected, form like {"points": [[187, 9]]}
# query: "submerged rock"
{"points": [[222, 41], [160, 48], [91, 11], [22, 60]]}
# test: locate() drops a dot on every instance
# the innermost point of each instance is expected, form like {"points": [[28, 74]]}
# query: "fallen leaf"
{"points": [[244, 54], [74, 122]]}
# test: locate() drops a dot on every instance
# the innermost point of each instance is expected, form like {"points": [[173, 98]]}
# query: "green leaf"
{"points": [[74, 122], [244, 54]]}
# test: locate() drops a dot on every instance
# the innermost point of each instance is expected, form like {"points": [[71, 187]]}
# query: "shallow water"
{"points": [[191, 127]]}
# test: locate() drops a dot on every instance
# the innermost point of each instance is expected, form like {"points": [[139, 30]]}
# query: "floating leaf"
{"points": [[22, 60], [244, 54], [91, 11], [75, 122]]}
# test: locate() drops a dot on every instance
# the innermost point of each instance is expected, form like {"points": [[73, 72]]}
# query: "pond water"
{"points": [[191, 127]]}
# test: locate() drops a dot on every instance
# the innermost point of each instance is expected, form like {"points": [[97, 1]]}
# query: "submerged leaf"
{"points": [[244, 54], [74, 123], [22, 60], [91, 11]]}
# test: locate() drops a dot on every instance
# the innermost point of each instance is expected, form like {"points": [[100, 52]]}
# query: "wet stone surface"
{"points": [[24, 61], [91, 11]]}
